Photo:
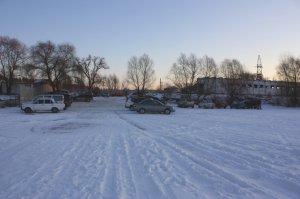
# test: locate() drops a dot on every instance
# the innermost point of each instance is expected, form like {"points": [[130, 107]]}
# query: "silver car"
{"points": [[206, 103], [153, 106]]}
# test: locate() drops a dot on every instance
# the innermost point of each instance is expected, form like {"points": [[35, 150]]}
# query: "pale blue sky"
{"points": [[163, 29]]}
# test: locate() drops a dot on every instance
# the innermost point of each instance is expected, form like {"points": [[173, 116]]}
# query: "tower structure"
{"points": [[259, 75]]}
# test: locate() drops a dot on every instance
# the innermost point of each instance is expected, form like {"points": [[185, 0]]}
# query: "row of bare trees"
{"points": [[185, 72], [57, 63], [187, 69], [289, 71]]}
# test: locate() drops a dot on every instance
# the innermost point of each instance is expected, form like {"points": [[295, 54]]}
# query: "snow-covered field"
{"points": [[102, 150]]}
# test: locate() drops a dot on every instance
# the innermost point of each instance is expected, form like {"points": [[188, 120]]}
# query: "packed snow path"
{"points": [[102, 150]]}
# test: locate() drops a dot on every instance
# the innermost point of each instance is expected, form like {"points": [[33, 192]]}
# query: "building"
{"points": [[27, 89], [263, 89]]}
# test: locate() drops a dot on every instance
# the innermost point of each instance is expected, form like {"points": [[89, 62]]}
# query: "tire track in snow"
{"points": [[153, 183], [62, 170], [204, 164], [128, 186], [159, 168], [59, 170], [109, 187], [218, 150], [38, 177], [90, 169], [215, 170], [185, 180], [227, 155]]}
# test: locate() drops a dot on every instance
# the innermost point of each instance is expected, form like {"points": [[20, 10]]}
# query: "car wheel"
{"points": [[142, 111], [54, 110], [27, 110], [167, 111]]}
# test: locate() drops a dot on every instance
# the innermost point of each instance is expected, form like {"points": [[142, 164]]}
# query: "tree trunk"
{"points": [[8, 88]]}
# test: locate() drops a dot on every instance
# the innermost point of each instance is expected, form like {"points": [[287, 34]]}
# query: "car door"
{"points": [[147, 105], [157, 106], [38, 104], [48, 104]]}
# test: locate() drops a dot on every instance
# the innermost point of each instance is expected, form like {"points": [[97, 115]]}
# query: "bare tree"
{"points": [[184, 72], [28, 71], [140, 73], [147, 70], [232, 71], [65, 63], [208, 73], [43, 60], [289, 71], [12, 57], [101, 81], [78, 75], [133, 73], [208, 67], [112, 82], [249, 76], [124, 84], [53, 62], [90, 67]]}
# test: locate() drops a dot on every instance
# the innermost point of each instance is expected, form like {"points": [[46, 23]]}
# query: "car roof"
{"points": [[149, 99]]}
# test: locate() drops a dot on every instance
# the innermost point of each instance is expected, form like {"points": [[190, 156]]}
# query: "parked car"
{"points": [[133, 100], [105, 94], [220, 102], [57, 97], [253, 103], [206, 103], [238, 104], [248, 103], [185, 103], [84, 97], [42, 104], [153, 106], [68, 100]]}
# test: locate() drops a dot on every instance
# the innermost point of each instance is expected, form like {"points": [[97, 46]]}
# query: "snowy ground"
{"points": [[102, 150]]}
